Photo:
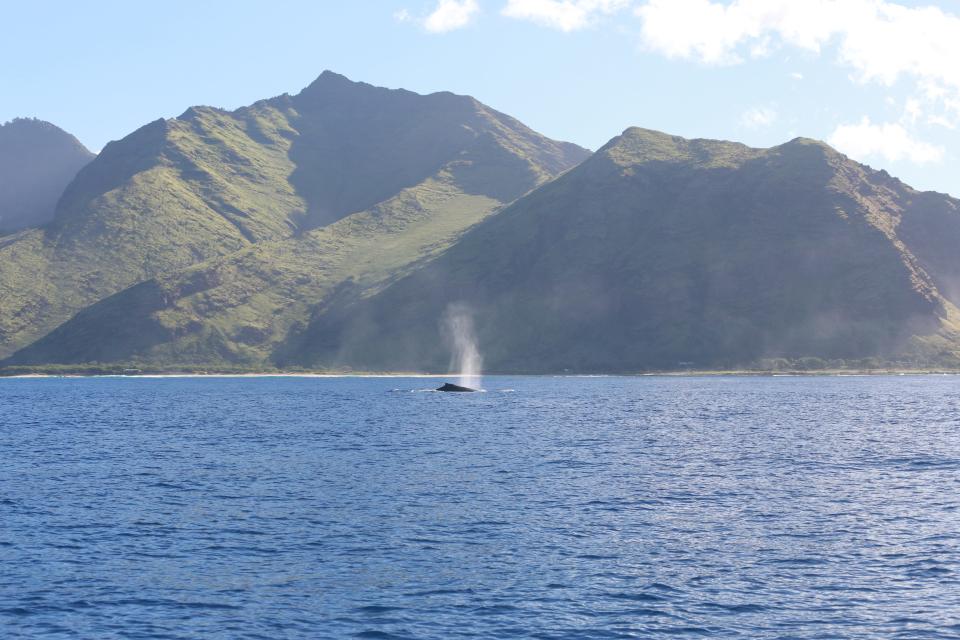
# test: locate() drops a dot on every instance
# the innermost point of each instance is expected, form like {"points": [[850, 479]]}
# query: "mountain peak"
{"points": [[37, 160], [331, 86], [24, 130], [329, 77], [801, 140], [809, 152], [28, 123], [332, 83], [637, 145], [197, 111], [809, 145]]}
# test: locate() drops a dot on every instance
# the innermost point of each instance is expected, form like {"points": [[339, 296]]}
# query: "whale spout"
{"points": [[454, 387]]}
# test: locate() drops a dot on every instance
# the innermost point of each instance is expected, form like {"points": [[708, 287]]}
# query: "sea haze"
{"points": [[633, 507]]}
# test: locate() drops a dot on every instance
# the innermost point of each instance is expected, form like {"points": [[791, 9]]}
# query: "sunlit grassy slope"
{"points": [[277, 204]]}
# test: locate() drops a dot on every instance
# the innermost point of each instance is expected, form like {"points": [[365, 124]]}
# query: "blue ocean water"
{"points": [[716, 507]]}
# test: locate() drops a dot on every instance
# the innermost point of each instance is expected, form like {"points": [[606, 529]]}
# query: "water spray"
{"points": [[465, 359]]}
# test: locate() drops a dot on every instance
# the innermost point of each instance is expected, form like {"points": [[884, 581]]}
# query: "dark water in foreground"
{"points": [[566, 508]]}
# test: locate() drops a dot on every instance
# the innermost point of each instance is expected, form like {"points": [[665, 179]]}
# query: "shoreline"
{"points": [[839, 373]]}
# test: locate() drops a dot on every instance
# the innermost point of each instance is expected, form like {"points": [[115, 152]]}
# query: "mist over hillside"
{"points": [[37, 161], [665, 253]]}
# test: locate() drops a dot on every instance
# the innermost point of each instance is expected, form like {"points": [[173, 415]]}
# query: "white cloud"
{"points": [[402, 15], [565, 15], [796, 75], [450, 15], [912, 111], [758, 117], [889, 141], [942, 122], [881, 41]]}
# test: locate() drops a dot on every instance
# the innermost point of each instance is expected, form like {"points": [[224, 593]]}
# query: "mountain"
{"points": [[665, 253], [275, 204], [655, 253], [37, 161]]}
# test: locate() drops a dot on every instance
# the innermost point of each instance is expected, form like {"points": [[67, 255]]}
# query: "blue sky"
{"points": [[880, 80]]}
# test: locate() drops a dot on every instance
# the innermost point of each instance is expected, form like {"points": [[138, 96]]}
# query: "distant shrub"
{"points": [[810, 363]]}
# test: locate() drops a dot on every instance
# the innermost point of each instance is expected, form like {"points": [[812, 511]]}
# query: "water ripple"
{"points": [[568, 508]]}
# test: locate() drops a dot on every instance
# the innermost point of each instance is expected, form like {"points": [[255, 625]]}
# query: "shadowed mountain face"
{"points": [[37, 161], [368, 153], [277, 204], [660, 252]]}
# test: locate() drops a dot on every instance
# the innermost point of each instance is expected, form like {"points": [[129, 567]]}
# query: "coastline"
{"points": [[840, 373]]}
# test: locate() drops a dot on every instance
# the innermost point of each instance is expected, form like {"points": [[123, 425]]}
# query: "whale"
{"points": [[454, 387]]}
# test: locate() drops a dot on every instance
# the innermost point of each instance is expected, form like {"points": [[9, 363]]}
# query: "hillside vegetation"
{"points": [[210, 187], [334, 229], [665, 253]]}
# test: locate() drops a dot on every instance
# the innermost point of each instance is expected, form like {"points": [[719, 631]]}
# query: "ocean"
{"points": [[545, 507]]}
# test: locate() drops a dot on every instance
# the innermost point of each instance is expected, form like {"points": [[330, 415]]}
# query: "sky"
{"points": [[878, 79]]}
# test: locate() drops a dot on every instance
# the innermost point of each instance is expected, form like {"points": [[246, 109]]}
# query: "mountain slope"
{"points": [[213, 183], [37, 161], [660, 252]]}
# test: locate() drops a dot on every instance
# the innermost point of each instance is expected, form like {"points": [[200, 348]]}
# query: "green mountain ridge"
{"points": [[335, 229], [212, 184], [665, 253], [37, 161]]}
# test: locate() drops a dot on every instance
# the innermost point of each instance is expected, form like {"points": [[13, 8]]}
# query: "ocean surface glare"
{"points": [[721, 507]]}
